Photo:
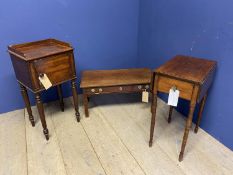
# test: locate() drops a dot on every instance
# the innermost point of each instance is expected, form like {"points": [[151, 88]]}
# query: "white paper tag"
{"points": [[45, 81], [173, 97], [145, 96]]}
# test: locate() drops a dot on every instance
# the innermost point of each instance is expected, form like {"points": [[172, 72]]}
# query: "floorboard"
{"points": [[153, 160], [114, 156], [112, 141], [203, 154], [44, 157], [13, 157], [78, 154]]}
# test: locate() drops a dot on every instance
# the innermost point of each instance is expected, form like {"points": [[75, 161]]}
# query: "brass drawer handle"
{"points": [[93, 90], [100, 90], [174, 88], [120, 88], [41, 75], [139, 87], [147, 86]]}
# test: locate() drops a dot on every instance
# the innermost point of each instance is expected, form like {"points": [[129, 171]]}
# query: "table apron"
{"points": [[117, 89], [164, 85]]}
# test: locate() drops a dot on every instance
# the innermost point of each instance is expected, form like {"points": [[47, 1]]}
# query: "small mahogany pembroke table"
{"points": [[114, 81], [36, 59], [192, 77]]}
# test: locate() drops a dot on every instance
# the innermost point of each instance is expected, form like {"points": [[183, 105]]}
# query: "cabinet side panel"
{"points": [[205, 86], [21, 71]]}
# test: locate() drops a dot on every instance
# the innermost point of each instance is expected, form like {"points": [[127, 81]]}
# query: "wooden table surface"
{"points": [[117, 77], [187, 68], [39, 49]]}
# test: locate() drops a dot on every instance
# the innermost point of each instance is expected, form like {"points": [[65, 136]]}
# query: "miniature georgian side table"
{"points": [[96, 82], [49, 57], [192, 77]]}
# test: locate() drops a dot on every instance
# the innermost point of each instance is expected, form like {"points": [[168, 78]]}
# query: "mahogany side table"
{"points": [[36, 59], [192, 77], [97, 82]]}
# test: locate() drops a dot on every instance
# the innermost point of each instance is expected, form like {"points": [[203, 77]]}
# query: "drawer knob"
{"points": [[121, 88], [147, 86], [100, 90], [139, 87], [174, 88], [41, 75], [92, 90]]}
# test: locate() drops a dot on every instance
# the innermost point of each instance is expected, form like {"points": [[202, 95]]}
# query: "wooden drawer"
{"points": [[117, 89], [58, 68], [166, 83]]}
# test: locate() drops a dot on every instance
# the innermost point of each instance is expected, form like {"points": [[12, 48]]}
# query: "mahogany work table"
{"points": [[114, 81], [36, 59], [192, 77]]}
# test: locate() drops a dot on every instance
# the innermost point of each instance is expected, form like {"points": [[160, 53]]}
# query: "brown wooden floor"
{"points": [[113, 140]]}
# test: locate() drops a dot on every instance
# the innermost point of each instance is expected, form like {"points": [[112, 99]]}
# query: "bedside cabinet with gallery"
{"points": [[40, 65]]}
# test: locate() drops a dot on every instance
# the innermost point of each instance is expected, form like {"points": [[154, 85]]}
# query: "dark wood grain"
{"points": [[85, 103], [39, 49], [202, 105], [192, 77], [187, 68], [27, 103], [114, 81], [40, 108], [185, 88], [189, 121], [57, 68], [117, 89], [60, 96], [153, 109], [22, 71], [75, 98], [170, 114], [51, 57], [106, 78]]}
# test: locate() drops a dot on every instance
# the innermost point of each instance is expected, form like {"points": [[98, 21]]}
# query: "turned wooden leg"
{"points": [[27, 103], [170, 114], [75, 98], [153, 110], [59, 91], [200, 113], [40, 107], [85, 103], [188, 122]]}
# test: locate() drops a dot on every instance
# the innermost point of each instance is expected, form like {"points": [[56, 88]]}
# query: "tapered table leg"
{"points": [[152, 125], [59, 91], [189, 121], [200, 113], [85, 103], [152, 102], [27, 103], [153, 110], [42, 115], [75, 98], [170, 114]]}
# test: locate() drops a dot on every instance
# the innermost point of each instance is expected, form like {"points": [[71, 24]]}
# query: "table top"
{"points": [[38, 49], [187, 68], [104, 78]]}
